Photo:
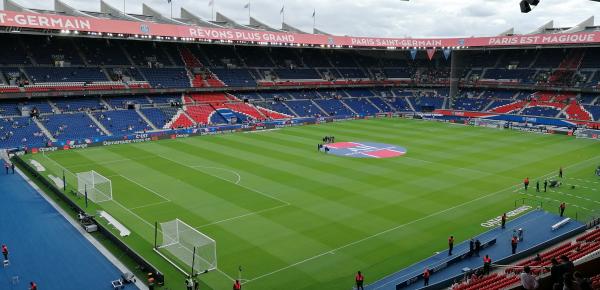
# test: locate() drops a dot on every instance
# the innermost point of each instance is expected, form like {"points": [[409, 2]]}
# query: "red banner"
{"points": [[430, 53], [87, 24]]}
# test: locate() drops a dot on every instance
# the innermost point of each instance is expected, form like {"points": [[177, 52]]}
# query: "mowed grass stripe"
{"points": [[336, 201]]}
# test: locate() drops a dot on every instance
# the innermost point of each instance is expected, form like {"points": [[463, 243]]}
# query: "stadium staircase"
{"points": [[108, 133], [319, 107], [44, 129], [145, 118]]}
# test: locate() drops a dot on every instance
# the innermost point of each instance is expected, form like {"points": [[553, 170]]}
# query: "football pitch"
{"points": [[296, 218]]}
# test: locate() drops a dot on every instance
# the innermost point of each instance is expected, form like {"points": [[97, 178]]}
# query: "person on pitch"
{"points": [[526, 183], [237, 285], [560, 172], [537, 186], [360, 280], [450, 245], [545, 184], [561, 208]]}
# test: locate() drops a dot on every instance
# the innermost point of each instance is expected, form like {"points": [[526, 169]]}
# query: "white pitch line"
{"points": [[242, 216], [150, 205], [401, 226], [243, 186], [144, 187], [239, 177]]}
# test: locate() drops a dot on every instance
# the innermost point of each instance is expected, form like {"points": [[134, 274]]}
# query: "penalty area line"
{"points": [[242, 216]]}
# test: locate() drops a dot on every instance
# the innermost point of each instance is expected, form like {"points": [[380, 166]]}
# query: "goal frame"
{"points": [[87, 188], [193, 271]]}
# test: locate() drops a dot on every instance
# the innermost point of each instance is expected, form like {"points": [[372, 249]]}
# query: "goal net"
{"points": [[188, 246], [97, 187]]}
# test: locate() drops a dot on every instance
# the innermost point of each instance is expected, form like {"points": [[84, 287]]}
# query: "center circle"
{"points": [[364, 150]]}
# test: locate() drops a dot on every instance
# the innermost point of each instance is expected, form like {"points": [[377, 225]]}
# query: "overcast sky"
{"points": [[385, 18]]}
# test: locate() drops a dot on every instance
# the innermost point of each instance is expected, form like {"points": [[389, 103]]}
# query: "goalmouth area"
{"points": [[288, 214]]}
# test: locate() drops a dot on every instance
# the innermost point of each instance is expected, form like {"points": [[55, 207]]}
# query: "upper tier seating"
{"points": [[65, 74], [80, 104], [167, 77], [48, 50], [359, 92], [297, 74], [123, 102], [103, 52], [235, 77]]}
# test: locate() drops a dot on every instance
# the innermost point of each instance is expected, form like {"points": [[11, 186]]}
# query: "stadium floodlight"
{"points": [[526, 5], [184, 245], [97, 187]]}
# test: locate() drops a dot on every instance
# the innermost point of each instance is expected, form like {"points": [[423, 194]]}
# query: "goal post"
{"points": [[184, 246], [97, 187]]}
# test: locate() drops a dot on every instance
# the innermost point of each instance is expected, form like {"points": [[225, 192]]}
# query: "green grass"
{"points": [[298, 219]]}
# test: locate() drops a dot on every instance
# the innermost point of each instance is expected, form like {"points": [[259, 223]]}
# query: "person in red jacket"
{"points": [[360, 280], [513, 243], [562, 208], [32, 286], [426, 275], [237, 285], [526, 183], [487, 264], [5, 252]]}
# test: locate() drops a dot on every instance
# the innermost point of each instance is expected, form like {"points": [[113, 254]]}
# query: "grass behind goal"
{"points": [[293, 217]]}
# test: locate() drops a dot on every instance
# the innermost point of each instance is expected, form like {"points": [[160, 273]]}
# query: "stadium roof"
{"points": [[190, 27]]}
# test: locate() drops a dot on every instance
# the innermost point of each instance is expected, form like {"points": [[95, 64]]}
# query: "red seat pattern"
{"points": [[272, 114], [200, 113], [576, 111], [508, 108], [212, 98], [181, 121]]}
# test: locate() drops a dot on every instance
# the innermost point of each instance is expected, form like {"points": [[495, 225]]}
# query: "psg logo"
{"points": [[365, 150], [145, 28]]}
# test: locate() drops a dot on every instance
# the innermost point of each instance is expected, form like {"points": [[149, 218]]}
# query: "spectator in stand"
{"points": [[556, 272], [567, 264], [568, 283], [528, 280], [583, 283]]}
